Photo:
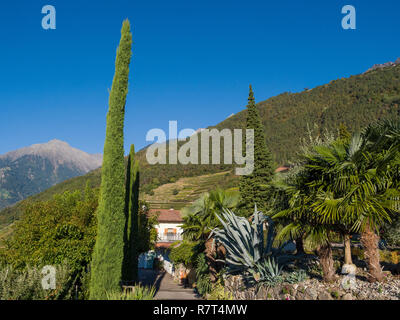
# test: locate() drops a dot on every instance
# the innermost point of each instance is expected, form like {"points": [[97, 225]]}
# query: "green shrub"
{"points": [[50, 232], [26, 284], [203, 281], [184, 252], [335, 295], [219, 292], [392, 232], [138, 293]]}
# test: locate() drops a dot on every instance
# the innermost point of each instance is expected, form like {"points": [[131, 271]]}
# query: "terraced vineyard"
{"points": [[186, 190]]}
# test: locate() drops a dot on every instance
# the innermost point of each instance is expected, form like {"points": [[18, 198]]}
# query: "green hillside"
{"points": [[178, 194], [9, 214], [355, 101]]}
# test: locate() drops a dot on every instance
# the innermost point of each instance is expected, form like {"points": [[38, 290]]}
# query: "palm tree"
{"points": [[355, 190], [301, 221], [200, 219], [346, 186]]}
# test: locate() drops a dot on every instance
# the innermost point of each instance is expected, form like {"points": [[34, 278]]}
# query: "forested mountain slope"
{"points": [[355, 102]]}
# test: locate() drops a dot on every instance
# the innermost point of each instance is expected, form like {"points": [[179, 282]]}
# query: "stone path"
{"points": [[166, 287]]}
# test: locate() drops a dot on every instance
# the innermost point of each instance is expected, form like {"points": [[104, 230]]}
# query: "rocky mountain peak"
{"points": [[58, 153], [384, 65]]}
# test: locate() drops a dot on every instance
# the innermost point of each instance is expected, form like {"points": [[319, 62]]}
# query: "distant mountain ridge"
{"points": [[384, 65], [33, 169], [288, 118]]}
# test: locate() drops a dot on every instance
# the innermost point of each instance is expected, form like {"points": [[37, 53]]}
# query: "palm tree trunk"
{"points": [[326, 259], [300, 246], [210, 252], [347, 249], [369, 240]]}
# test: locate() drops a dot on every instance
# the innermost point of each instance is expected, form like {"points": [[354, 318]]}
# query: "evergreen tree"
{"points": [[109, 248], [131, 234], [252, 187], [344, 134]]}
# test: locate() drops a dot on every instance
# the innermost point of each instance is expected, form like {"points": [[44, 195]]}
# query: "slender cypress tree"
{"points": [[109, 248], [131, 234], [252, 186]]}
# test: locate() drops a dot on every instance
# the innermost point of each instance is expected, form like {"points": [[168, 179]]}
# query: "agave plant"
{"points": [[296, 276], [267, 272], [243, 241]]}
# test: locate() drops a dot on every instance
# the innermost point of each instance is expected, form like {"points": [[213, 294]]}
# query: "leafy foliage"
{"points": [[218, 292], [132, 216], [201, 216], [265, 272], [392, 232], [252, 186], [108, 252], [26, 284], [203, 281], [286, 118], [345, 186], [185, 252], [244, 242], [138, 292], [296, 276], [51, 232]]}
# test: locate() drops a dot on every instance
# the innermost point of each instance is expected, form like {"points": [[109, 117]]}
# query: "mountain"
{"points": [[33, 169], [384, 65], [288, 119]]}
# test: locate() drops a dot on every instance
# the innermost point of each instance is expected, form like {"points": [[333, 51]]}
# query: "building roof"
{"points": [[163, 245], [167, 215], [282, 169]]}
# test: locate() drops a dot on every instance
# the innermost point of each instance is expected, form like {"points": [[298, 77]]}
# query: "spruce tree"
{"points": [[108, 252], [344, 134], [131, 234], [252, 187]]}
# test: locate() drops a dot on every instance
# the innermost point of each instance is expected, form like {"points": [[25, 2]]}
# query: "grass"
{"points": [[137, 293]]}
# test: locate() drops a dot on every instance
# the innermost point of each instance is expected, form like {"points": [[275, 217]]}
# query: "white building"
{"points": [[169, 227]]}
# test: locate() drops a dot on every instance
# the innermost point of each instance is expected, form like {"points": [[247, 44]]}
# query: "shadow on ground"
{"points": [[166, 287]]}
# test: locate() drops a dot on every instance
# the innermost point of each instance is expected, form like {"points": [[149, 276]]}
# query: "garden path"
{"points": [[166, 287]]}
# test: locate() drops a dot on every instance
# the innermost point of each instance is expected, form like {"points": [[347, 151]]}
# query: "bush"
{"points": [[218, 292], [203, 281], [50, 232], [184, 252], [26, 284], [64, 229], [392, 232], [138, 293]]}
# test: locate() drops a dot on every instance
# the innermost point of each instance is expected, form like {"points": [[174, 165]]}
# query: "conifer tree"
{"points": [[252, 187], [131, 234], [108, 252], [344, 134]]}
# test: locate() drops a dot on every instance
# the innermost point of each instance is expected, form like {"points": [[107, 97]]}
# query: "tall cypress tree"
{"points": [[131, 234], [252, 187], [109, 248]]}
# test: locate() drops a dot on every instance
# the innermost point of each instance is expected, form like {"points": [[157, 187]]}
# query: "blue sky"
{"points": [[192, 61]]}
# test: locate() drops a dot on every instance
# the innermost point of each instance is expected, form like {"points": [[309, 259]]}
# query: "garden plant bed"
{"points": [[315, 289]]}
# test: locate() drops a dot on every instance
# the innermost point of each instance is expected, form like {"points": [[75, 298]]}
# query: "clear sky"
{"points": [[192, 61]]}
